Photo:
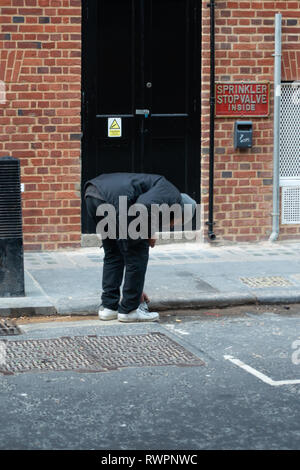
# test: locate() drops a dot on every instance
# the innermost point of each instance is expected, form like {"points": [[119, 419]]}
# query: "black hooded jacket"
{"points": [[139, 188]]}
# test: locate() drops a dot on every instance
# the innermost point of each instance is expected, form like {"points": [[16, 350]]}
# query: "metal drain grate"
{"points": [[94, 353], [8, 328], [270, 281]]}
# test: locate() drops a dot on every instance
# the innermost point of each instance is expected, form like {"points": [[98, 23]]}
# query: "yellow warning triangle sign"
{"points": [[115, 125]]}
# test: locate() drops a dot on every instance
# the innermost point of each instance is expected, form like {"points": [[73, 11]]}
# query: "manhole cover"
{"points": [[8, 328], [93, 353], [269, 281]]}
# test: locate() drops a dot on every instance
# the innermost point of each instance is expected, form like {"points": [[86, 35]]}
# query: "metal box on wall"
{"points": [[243, 134]]}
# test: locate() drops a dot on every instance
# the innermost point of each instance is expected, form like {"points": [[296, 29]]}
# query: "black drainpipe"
{"points": [[210, 223]]}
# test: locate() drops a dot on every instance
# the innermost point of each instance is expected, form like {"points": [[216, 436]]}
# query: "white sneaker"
{"points": [[140, 314], [107, 314]]}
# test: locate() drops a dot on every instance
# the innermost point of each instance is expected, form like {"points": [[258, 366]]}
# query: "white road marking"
{"points": [[260, 375]]}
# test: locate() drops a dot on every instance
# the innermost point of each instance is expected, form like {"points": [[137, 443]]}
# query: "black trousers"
{"points": [[128, 255]]}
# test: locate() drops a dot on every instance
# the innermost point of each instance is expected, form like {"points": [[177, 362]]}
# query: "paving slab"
{"points": [[185, 275]]}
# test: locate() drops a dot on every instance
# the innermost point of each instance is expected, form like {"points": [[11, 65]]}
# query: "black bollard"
{"points": [[11, 233]]}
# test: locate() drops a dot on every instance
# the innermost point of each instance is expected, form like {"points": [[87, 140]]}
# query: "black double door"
{"points": [[141, 90]]}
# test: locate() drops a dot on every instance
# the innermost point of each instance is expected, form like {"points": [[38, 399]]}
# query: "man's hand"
{"points": [[144, 298], [152, 242]]}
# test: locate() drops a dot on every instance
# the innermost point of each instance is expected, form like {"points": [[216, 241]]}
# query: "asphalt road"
{"points": [[245, 396]]}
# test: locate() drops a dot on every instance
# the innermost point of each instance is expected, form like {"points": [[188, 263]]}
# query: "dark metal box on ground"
{"points": [[11, 234]]}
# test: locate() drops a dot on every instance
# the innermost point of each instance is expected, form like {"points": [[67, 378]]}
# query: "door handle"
{"points": [[142, 112]]}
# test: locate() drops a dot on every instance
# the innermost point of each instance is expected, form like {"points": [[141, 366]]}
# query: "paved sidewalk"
{"points": [[184, 275]]}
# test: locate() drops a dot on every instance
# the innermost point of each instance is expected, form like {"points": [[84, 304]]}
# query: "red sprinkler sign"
{"points": [[242, 99]]}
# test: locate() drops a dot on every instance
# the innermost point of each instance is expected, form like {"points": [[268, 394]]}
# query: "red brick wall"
{"points": [[243, 179], [40, 63]]}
